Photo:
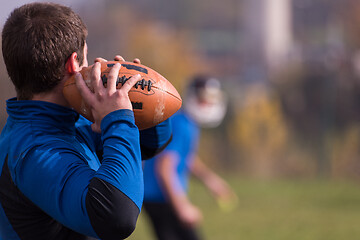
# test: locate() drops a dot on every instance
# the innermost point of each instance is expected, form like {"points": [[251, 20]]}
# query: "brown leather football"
{"points": [[154, 98]]}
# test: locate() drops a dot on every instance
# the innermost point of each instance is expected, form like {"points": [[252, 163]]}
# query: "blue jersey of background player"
{"points": [[182, 147], [172, 214]]}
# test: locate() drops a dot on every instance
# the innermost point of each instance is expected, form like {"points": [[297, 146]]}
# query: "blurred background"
{"points": [[291, 69]]}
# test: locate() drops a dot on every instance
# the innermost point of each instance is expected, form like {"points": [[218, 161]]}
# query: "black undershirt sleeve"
{"points": [[112, 214], [147, 152], [153, 140]]}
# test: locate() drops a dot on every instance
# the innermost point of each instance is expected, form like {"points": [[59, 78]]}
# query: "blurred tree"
{"points": [[259, 132], [308, 102], [344, 147], [320, 93]]}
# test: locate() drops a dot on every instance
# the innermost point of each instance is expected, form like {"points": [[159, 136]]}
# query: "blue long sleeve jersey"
{"points": [[184, 144], [54, 185]]}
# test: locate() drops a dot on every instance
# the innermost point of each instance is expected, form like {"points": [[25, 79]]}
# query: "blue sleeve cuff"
{"points": [[124, 115]]}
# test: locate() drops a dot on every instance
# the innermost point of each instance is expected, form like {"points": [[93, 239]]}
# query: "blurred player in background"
{"points": [[166, 202]]}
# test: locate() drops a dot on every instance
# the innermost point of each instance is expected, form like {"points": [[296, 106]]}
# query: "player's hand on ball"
{"points": [[153, 97], [116, 58], [104, 100]]}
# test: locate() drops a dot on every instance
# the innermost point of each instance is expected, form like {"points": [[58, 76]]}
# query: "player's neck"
{"points": [[54, 96]]}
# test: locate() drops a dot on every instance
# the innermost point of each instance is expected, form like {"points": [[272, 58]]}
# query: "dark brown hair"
{"points": [[37, 40]]}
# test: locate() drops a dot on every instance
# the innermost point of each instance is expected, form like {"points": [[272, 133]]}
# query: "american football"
{"points": [[154, 98]]}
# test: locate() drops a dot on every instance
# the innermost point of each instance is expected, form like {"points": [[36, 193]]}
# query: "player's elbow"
{"points": [[119, 227], [112, 214]]}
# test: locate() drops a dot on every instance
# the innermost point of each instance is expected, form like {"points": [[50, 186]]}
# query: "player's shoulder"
{"points": [[181, 117], [182, 123]]}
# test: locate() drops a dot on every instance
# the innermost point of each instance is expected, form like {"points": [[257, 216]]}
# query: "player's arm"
{"points": [[115, 192], [120, 174], [217, 186], [187, 213]]}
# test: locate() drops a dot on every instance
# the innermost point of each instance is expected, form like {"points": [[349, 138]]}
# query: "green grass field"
{"points": [[277, 210]]}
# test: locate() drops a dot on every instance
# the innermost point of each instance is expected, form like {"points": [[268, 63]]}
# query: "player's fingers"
{"points": [[85, 92], [95, 77], [99, 59], [112, 78], [119, 58], [137, 60], [130, 83]]}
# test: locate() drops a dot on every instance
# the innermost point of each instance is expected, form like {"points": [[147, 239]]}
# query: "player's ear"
{"points": [[72, 64]]}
